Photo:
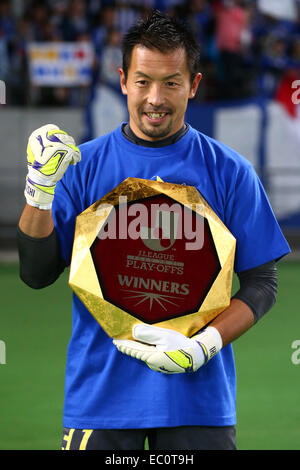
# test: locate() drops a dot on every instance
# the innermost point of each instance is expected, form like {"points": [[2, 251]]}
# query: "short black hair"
{"points": [[165, 33]]}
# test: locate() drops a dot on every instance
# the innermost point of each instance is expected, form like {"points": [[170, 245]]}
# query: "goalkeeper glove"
{"points": [[169, 351], [49, 153]]}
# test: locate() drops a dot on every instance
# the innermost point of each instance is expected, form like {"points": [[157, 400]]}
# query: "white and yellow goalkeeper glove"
{"points": [[49, 153], [169, 351]]}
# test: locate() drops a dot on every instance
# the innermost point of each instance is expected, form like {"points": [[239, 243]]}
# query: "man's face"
{"points": [[158, 88]]}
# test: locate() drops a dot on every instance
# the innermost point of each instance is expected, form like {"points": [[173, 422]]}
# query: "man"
{"points": [[113, 400]]}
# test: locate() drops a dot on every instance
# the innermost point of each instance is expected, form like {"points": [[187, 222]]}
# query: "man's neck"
{"points": [[129, 134]]}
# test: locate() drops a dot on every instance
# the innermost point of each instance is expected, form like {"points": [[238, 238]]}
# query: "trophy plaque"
{"points": [[152, 252]]}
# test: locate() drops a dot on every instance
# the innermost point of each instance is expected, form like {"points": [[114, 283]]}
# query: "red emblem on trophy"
{"points": [[160, 264]]}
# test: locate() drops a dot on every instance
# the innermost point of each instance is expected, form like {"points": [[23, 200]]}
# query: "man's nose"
{"points": [[155, 96]]}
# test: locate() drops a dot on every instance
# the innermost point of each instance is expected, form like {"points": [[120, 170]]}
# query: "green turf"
{"points": [[268, 383], [36, 325]]}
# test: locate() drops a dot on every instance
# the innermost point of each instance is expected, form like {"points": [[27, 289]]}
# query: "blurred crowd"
{"points": [[247, 47]]}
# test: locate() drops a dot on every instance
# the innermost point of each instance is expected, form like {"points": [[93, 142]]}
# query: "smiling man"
{"points": [[177, 391], [158, 86]]}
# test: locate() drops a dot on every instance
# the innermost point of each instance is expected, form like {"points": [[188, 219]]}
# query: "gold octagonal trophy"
{"points": [[152, 252]]}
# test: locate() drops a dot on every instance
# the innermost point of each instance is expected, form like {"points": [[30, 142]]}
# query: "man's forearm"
{"points": [[39, 252], [234, 321], [35, 222]]}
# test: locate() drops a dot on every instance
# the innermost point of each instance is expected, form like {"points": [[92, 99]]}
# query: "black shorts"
{"points": [[176, 438]]}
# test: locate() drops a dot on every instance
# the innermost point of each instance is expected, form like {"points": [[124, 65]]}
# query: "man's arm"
{"points": [[49, 153], [36, 223], [256, 296], [234, 321]]}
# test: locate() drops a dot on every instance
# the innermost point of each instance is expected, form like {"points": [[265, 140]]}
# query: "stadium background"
{"points": [[248, 98]]}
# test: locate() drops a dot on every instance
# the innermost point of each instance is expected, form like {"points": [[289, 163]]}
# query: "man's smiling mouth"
{"points": [[156, 117]]}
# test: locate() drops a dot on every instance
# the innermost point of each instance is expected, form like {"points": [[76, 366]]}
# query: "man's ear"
{"points": [[195, 85], [122, 81]]}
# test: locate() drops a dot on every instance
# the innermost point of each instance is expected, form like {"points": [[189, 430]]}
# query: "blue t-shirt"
{"points": [[105, 388]]}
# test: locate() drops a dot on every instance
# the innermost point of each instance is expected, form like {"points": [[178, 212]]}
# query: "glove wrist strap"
{"points": [[210, 341], [39, 196]]}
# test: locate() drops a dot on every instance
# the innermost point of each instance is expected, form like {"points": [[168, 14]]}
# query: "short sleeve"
{"points": [[251, 220]]}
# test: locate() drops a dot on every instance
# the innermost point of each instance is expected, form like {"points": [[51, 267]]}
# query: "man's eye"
{"points": [[171, 84], [142, 82]]}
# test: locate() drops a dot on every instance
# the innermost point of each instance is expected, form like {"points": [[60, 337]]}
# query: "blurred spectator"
{"points": [[7, 22], [38, 15], [168, 5], [274, 62], [233, 35], [111, 59], [74, 23], [231, 23], [17, 81], [4, 61], [104, 22], [7, 35], [126, 13], [13, 55], [295, 52], [199, 15], [59, 9], [201, 18]]}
